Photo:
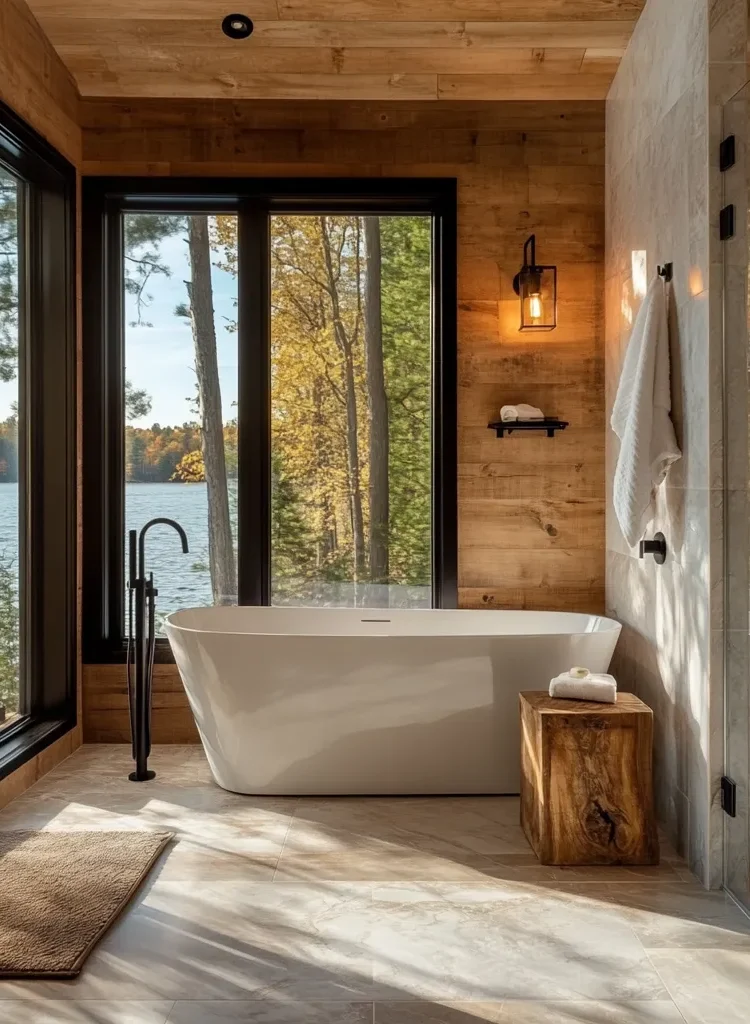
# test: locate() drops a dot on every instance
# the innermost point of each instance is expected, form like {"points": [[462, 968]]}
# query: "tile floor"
{"points": [[385, 911]]}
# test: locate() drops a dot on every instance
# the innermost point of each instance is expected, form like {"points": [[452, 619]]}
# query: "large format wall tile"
{"points": [[659, 210]]}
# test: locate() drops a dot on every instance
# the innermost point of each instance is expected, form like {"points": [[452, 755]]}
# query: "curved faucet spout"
{"points": [[142, 540]]}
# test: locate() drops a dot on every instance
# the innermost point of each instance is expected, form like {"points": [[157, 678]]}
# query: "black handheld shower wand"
{"points": [[142, 644]]}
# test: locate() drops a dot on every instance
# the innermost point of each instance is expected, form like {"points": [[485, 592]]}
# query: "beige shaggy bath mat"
{"points": [[60, 891]]}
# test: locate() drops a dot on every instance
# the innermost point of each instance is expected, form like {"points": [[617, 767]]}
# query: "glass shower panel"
{"points": [[737, 507]]}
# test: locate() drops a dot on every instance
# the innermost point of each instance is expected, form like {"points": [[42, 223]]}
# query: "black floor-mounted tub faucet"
{"points": [[142, 644]]}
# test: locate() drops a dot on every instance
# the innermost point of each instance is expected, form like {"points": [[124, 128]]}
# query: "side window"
{"points": [[11, 337]]}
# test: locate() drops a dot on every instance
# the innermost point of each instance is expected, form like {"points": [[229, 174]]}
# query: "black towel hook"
{"points": [[667, 271]]}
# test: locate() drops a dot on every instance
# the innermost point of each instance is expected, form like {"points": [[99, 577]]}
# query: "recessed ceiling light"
{"points": [[237, 26]]}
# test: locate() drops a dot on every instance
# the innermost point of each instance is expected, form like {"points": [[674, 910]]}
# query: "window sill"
{"points": [[27, 738]]}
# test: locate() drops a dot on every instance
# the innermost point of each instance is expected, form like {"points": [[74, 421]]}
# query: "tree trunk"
{"points": [[379, 452], [327, 532], [352, 451], [344, 344], [200, 292]]}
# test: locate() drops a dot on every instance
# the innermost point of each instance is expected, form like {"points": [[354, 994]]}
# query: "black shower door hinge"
{"points": [[727, 153], [726, 223], [729, 796]]}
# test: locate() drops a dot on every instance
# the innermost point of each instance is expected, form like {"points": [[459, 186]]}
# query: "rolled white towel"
{"points": [[511, 413], [600, 688], [529, 412]]}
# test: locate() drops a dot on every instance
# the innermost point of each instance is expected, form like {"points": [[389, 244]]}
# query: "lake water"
{"points": [[183, 581], [9, 522]]}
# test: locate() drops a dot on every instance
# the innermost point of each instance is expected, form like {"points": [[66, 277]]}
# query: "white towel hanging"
{"points": [[641, 416]]}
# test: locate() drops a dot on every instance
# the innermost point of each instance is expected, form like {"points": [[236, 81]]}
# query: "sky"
{"points": [[160, 358]]}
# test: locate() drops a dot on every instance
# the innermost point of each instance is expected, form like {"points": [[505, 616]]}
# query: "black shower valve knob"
{"points": [[656, 547]]}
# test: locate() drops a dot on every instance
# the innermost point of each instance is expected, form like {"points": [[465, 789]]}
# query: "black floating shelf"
{"points": [[550, 426]]}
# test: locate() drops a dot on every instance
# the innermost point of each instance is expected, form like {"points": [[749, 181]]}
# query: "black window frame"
{"points": [[254, 201], [47, 441]]}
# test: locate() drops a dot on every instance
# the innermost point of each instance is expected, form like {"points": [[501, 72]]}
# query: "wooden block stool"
{"points": [[586, 780]]}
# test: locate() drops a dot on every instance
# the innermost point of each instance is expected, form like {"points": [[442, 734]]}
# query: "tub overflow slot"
{"points": [[374, 620]]}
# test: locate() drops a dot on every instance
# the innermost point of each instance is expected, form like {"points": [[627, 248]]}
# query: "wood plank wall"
{"points": [[344, 49], [37, 86], [531, 510], [35, 82], [15, 784], [105, 706]]}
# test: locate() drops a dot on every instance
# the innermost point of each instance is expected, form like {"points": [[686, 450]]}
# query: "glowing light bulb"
{"points": [[535, 307]]}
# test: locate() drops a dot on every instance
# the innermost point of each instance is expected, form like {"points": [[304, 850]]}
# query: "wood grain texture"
{"points": [[35, 83], [470, 10], [24, 777], [311, 49], [173, 34], [546, 86], [586, 780], [510, 120], [531, 510], [218, 85], [311, 60], [105, 706], [352, 10]]}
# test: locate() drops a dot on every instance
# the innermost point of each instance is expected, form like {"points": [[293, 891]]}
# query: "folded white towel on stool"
{"points": [[595, 686], [511, 413]]}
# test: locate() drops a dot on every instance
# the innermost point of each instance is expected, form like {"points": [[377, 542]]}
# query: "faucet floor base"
{"points": [[145, 777]]}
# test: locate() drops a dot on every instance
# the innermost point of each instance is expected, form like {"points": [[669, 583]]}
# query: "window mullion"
{"points": [[254, 420]]}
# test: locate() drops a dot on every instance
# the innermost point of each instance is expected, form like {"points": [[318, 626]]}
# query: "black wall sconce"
{"points": [[537, 287]]}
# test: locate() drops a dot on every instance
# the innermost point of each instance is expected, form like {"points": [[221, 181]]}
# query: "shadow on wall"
{"points": [[674, 504], [642, 669]]}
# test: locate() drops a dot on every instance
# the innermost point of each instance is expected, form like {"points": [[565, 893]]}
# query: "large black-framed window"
{"points": [[37, 437], [107, 205]]}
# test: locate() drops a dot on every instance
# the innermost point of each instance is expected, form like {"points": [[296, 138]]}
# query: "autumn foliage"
{"points": [[323, 432], [350, 402]]}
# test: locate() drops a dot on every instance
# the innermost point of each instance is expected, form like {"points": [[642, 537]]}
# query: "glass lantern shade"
{"points": [[537, 288]]}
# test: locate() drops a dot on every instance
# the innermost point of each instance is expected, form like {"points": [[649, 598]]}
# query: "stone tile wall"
{"points": [[729, 114], [659, 209]]}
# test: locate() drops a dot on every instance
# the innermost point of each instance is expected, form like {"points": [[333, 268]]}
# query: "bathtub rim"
{"points": [[606, 625]]}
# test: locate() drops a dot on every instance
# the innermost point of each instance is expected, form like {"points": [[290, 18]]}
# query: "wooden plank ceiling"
{"points": [[343, 49]]}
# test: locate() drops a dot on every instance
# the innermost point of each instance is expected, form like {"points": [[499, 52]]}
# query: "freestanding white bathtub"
{"points": [[321, 701]]}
